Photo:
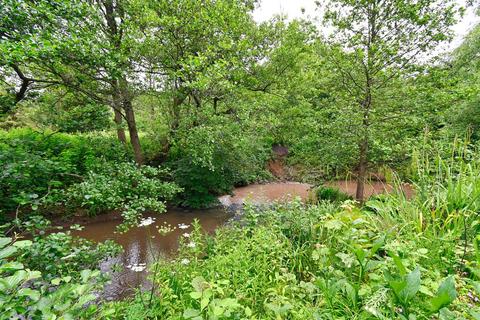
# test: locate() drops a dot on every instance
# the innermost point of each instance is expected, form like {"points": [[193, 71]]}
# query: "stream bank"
{"points": [[143, 244]]}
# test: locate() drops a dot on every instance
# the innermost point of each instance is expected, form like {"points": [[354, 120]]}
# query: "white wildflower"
{"points": [[137, 267], [186, 235], [185, 261], [146, 222], [191, 244], [183, 226]]}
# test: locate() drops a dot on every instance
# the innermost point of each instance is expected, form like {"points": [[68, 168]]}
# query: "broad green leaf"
{"points": [[198, 283], [191, 313], [475, 315], [398, 262], [9, 266], [333, 224], [7, 252], [22, 244], [13, 281], [217, 311], [413, 284], [445, 295], [195, 295], [4, 242], [204, 303], [27, 292], [446, 314]]}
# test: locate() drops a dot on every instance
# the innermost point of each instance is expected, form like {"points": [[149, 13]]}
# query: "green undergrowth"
{"points": [[393, 258]]}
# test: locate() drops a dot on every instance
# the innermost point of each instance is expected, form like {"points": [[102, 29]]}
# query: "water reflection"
{"points": [[142, 245]]}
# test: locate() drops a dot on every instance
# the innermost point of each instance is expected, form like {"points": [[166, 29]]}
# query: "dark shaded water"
{"points": [[142, 244]]}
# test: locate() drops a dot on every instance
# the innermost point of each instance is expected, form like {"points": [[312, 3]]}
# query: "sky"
{"points": [[292, 8]]}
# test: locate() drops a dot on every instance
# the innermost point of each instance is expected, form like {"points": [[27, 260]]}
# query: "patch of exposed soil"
{"points": [[276, 165], [277, 169]]}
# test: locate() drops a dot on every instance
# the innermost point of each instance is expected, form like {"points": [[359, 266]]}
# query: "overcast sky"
{"points": [[292, 8]]}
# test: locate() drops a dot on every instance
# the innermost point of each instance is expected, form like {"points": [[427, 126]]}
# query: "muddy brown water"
{"points": [[143, 244]]}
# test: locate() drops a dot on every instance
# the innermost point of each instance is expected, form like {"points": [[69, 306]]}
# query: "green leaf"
{"points": [[9, 266], [445, 295], [4, 242], [377, 245], [204, 303], [195, 295], [413, 284], [475, 315], [333, 224], [406, 288], [446, 314], [7, 252], [13, 281], [198, 283], [398, 262], [191, 313], [27, 292], [217, 311], [22, 244]]}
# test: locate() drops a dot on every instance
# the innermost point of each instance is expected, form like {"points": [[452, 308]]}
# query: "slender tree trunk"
{"points": [[198, 105], [215, 105], [118, 122], [26, 82], [118, 117], [362, 169], [177, 102], [132, 130], [364, 143]]}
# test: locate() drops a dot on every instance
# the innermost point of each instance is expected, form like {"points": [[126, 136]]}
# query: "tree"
{"points": [[375, 44], [465, 67], [82, 46], [32, 31], [195, 51]]}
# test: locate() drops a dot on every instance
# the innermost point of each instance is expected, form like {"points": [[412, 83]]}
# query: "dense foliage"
{"points": [[393, 258], [129, 106]]}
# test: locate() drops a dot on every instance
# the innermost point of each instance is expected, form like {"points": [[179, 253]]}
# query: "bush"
{"points": [[208, 161], [331, 194], [34, 164], [122, 186]]}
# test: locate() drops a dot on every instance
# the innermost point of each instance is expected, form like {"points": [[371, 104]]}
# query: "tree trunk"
{"points": [[132, 129], [118, 122], [215, 105], [177, 102], [198, 105], [364, 142], [362, 170]]}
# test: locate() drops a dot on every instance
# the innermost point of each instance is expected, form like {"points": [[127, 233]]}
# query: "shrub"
{"points": [[331, 194], [122, 186], [35, 164], [208, 161]]}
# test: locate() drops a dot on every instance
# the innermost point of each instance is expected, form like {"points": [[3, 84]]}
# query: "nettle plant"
{"points": [[125, 187]]}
